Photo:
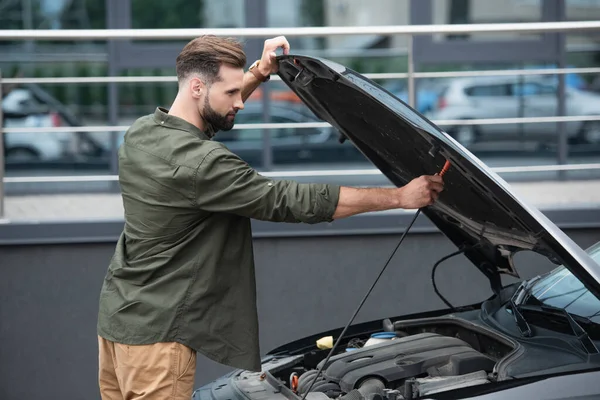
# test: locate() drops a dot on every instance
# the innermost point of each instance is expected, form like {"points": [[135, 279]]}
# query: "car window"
{"points": [[560, 288], [487, 90], [532, 89], [29, 100]]}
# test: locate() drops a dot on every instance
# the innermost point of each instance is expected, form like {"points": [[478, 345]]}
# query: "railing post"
{"points": [[563, 145], [411, 71], [1, 155], [256, 16], [113, 114]]}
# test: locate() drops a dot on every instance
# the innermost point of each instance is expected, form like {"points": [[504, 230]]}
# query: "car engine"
{"points": [[423, 361], [397, 365]]}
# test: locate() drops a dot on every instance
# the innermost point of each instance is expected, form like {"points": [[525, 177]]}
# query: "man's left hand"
{"points": [[268, 64]]}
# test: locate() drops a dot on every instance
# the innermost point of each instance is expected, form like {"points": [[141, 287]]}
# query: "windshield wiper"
{"points": [[521, 295], [580, 333], [522, 323], [524, 290]]}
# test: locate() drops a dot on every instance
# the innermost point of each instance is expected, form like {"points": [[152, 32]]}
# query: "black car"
{"points": [[290, 144], [533, 339]]}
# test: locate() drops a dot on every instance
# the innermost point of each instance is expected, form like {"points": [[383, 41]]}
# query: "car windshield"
{"points": [[560, 288]]}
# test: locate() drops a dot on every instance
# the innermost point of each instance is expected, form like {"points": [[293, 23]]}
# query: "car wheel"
{"points": [[464, 134], [22, 154], [590, 133]]}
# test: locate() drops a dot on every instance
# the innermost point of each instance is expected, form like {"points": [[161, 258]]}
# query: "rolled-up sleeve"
{"points": [[225, 183]]}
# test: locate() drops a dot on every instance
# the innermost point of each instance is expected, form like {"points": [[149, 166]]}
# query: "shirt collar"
{"points": [[162, 117]]}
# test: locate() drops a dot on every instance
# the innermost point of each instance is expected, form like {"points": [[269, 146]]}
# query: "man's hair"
{"points": [[205, 55]]}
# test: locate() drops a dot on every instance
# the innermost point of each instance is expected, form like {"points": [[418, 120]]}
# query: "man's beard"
{"points": [[215, 120]]}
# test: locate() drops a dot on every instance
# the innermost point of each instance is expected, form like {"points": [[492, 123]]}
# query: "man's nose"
{"points": [[239, 104]]}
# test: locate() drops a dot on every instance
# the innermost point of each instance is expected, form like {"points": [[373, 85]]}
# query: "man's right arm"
{"points": [[225, 183], [420, 192]]}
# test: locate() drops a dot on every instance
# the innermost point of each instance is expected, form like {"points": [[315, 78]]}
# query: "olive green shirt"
{"points": [[183, 268]]}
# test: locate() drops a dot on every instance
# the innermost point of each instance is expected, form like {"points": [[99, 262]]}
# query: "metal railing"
{"points": [[300, 125], [381, 76], [1, 155], [185, 34], [411, 75], [308, 173]]}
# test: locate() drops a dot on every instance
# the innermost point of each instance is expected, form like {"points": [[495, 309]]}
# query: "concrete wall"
{"points": [[308, 281]]}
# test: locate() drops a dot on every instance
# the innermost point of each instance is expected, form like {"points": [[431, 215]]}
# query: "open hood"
{"points": [[477, 209]]}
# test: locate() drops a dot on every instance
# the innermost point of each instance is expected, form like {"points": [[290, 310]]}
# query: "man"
{"points": [[182, 278]]}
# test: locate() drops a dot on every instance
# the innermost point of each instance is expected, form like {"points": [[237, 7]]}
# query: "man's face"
{"points": [[223, 99]]}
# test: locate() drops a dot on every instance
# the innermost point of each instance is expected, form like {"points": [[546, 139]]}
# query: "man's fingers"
{"points": [[285, 45], [437, 187], [275, 43], [435, 178], [435, 182]]}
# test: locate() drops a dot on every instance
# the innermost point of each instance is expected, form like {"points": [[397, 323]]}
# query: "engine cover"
{"points": [[412, 356]]}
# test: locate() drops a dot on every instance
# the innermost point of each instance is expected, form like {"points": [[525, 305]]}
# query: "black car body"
{"points": [[534, 339]]}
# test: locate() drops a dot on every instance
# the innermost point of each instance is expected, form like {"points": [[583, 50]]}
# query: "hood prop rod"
{"points": [[324, 363]]}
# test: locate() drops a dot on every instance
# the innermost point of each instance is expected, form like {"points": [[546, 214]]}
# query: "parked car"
{"points": [[427, 92], [291, 145], [573, 80], [533, 339], [29, 106], [511, 97], [20, 110]]}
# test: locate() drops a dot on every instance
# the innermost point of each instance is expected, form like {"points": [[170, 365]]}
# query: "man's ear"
{"points": [[197, 87]]}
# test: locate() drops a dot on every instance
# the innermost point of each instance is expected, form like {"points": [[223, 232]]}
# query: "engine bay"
{"points": [[402, 362]]}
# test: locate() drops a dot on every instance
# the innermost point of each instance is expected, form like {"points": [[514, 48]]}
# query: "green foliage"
{"points": [[96, 13], [9, 17], [313, 12], [161, 14], [84, 90], [60, 90]]}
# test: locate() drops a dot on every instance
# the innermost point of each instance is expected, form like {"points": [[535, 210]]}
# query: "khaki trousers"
{"points": [[156, 371]]}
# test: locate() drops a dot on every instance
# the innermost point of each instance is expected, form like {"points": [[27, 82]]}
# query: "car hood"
{"points": [[477, 209]]}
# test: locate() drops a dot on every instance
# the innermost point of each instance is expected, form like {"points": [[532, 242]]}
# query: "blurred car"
{"points": [[29, 106], [291, 145], [21, 110], [426, 96], [532, 338], [514, 97], [573, 80]]}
